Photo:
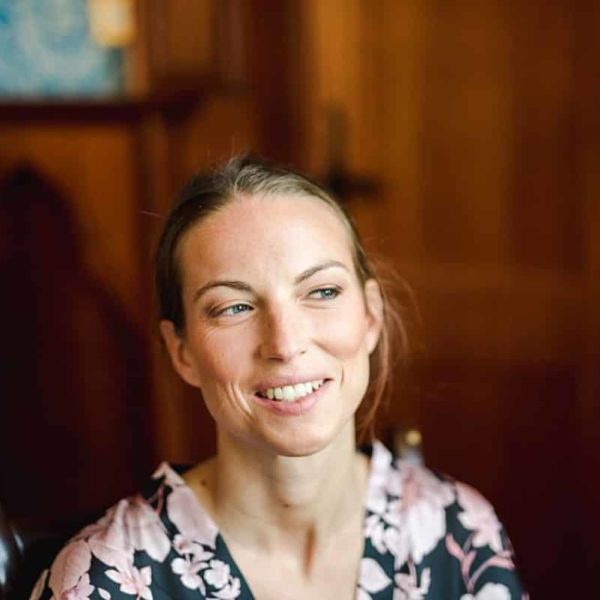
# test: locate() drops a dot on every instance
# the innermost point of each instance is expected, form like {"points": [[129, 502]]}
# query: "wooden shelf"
{"points": [[172, 105]]}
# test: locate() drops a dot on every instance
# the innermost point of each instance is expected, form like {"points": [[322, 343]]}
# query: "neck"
{"points": [[288, 504]]}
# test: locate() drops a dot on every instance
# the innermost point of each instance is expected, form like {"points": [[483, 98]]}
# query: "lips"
{"points": [[297, 398], [290, 392]]}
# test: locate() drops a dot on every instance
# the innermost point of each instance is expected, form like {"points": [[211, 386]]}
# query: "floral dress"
{"points": [[426, 537]]}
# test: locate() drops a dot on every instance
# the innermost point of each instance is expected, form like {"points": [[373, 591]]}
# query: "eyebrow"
{"points": [[244, 287], [234, 285], [320, 267]]}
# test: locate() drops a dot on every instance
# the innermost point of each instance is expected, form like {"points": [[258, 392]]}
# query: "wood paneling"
{"points": [[587, 465], [466, 134], [73, 377], [546, 218], [92, 165]]}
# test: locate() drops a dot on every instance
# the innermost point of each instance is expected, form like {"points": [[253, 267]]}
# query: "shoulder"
{"points": [[441, 532], [117, 550], [105, 551], [435, 500], [463, 506]]}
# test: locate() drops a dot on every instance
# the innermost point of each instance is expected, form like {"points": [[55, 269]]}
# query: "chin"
{"points": [[298, 450], [305, 441]]}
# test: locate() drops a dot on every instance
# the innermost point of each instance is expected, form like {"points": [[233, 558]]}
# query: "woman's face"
{"points": [[278, 327]]}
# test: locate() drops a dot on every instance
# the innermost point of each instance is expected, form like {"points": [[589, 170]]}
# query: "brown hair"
{"points": [[206, 193]]}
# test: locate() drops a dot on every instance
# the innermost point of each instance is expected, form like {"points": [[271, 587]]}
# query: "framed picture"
{"points": [[48, 50]]}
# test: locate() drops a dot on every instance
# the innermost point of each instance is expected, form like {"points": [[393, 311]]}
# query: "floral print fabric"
{"points": [[427, 537]]}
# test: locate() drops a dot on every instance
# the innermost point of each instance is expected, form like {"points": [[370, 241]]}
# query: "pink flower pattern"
{"points": [[189, 569], [479, 516], [80, 591], [409, 588], [133, 581], [424, 534]]}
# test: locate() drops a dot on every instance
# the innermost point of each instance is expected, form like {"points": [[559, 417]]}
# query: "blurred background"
{"points": [[464, 137]]}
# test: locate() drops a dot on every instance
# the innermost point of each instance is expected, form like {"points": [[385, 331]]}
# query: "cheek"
{"points": [[347, 339], [348, 343], [347, 333], [218, 359], [220, 363]]}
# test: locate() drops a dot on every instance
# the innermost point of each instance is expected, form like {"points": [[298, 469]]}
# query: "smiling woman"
{"points": [[274, 303], [271, 308], [257, 184]]}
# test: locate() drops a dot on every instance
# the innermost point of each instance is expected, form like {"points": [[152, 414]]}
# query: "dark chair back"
{"points": [[25, 551], [10, 556]]}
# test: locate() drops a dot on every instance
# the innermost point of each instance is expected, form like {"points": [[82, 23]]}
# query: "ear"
{"points": [[179, 353], [374, 305]]}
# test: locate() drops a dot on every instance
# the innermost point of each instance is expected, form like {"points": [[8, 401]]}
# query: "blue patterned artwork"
{"points": [[46, 50]]}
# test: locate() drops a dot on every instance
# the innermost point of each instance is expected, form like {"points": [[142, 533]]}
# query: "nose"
{"points": [[283, 335]]}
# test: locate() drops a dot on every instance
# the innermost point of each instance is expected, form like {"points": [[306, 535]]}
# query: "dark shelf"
{"points": [[171, 105]]}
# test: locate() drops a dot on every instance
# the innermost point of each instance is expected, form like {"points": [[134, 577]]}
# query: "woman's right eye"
{"points": [[231, 311]]}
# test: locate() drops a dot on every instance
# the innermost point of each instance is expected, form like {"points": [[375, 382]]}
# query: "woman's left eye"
{"points": [[326, 293]]}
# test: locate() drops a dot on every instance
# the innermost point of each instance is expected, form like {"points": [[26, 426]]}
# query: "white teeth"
{"points": [[300, 389], [289, 393]]}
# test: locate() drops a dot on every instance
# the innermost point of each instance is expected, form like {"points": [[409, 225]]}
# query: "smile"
{"points": [[290, 393]]}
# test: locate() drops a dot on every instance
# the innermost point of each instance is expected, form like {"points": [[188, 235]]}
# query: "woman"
{"points": [[271, 309]]}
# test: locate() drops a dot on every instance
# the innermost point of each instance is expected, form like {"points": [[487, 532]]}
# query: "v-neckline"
{"points": [[379, 457]]}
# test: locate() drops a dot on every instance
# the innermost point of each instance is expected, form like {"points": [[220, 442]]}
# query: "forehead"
{"points": [[262, 232]]}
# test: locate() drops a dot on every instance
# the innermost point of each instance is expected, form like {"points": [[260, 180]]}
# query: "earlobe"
{"points": [[180, 358], [374, 305]]}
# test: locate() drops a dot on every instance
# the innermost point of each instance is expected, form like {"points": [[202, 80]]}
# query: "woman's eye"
{"points": [[326, 293], [234, 309]]}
